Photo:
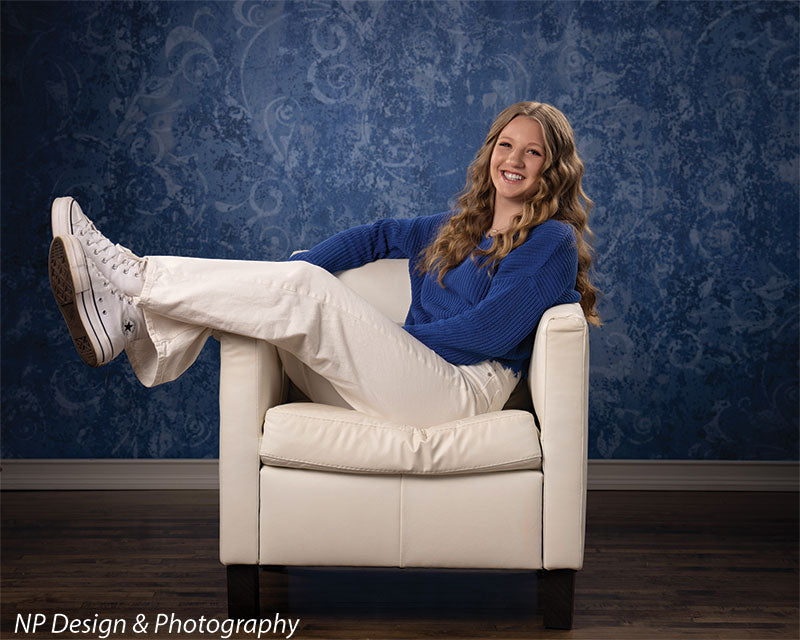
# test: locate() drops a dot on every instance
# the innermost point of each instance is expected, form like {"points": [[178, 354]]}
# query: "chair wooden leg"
{"points": [[559, 598], [275, 588], [243, 596]]}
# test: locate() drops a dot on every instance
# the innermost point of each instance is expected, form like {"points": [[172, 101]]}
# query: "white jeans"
{"points": [[336, 347]]}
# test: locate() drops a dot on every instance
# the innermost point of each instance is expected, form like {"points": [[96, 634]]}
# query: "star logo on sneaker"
{"points": [[128, 327]]}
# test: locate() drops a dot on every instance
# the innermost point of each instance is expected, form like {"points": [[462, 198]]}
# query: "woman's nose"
{"points": [[517, 159]]}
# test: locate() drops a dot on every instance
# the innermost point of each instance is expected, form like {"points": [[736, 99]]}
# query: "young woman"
{"points": [[481, 277]]}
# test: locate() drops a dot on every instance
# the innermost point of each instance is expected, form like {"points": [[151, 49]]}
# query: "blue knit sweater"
{"points": [[475, 317]]}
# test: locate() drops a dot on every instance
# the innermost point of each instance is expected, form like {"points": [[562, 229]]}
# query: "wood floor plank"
{"points": [[657, 565]]}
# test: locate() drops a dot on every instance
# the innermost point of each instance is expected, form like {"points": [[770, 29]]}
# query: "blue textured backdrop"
{"points": [[243, 130]]}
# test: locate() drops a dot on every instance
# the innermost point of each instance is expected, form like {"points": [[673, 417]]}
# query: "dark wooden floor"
{"points": [[657, 565]]}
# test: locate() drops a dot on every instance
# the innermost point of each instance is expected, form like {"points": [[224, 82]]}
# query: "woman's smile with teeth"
{"points": [[513, 177]]}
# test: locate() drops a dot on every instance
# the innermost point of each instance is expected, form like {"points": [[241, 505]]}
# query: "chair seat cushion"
{"points": [[316, 436]]}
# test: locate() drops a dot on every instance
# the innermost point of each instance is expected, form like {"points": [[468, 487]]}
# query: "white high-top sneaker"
{"points": [[101, 318], [67, 217], [119, 265]]}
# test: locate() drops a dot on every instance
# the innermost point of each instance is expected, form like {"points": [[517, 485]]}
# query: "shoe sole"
{"points": [[61, 216], [72, 289]]}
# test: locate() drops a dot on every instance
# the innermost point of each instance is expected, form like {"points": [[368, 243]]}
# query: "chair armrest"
{"points": [[250, 382], [559, 383]]}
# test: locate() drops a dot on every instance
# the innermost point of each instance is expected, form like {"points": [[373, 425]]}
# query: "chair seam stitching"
{"points": [[400, 558], [403, 472], [260, 396], [407, 428]]}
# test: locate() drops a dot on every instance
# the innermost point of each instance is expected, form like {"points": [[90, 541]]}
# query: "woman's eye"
{"points": [[534, 152], [504, 144]]}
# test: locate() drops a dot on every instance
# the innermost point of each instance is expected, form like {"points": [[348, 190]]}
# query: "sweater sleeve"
{"points": [[524, 287], [388, 238]]}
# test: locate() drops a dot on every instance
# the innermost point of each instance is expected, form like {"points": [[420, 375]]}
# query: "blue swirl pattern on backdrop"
{"points": [[246, 130]]}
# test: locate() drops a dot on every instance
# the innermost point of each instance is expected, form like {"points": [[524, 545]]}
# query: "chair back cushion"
{"points": [[326, 438]]}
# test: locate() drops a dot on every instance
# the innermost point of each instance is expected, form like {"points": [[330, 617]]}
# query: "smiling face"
{"points": [[516, 163]]}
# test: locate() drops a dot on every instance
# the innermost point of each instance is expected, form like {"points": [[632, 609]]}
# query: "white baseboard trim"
{"points": [[694, 475], [109, 473], [633, 475]]}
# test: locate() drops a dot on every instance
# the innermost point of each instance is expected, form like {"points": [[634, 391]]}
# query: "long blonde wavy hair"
{"points": [[559, 196]]}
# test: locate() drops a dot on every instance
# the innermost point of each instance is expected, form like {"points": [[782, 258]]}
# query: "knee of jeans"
{"points": [[308, 272]]}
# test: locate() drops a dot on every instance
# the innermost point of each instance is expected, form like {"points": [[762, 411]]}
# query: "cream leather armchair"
{"points": [[505, 490]]}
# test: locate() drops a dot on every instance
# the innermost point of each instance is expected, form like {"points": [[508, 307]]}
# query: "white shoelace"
{"points": [[117, 255], [121, 295]]}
